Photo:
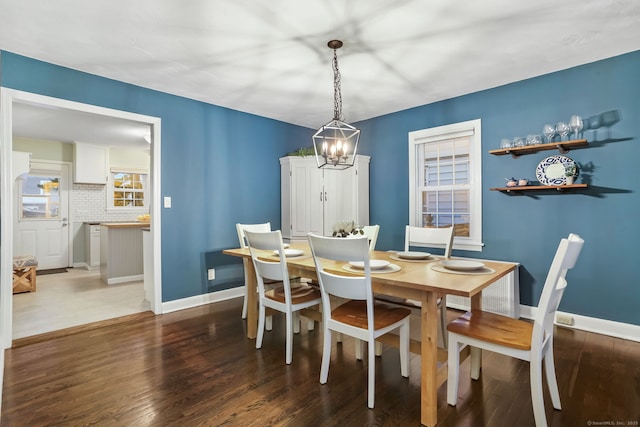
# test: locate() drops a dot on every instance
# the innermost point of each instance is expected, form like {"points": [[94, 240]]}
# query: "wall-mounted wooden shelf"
{"points": [[563, 147], [539, 188]]}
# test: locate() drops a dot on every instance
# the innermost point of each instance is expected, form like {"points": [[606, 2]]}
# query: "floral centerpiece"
{"points": [[346, 229]]}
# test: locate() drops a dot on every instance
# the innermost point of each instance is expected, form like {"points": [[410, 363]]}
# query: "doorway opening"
{"points": [[87, 115]]}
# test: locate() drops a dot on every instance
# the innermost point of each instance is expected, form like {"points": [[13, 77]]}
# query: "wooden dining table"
{"points": [[416, 281]]}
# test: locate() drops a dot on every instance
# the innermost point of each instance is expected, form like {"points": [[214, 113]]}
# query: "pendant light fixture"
{"points": [[336, 143]]}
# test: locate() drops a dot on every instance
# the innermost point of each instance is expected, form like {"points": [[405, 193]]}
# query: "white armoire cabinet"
{"points": [[314, 199]]}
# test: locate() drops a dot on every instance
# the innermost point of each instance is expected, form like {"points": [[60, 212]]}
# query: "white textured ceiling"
{"points": [[271, 58]]}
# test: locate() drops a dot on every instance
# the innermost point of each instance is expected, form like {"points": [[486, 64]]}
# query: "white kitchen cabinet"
{"points": [[314, 199], [90, 163], [92, 245]]}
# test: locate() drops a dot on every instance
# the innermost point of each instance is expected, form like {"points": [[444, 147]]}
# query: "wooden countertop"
{"points": [[124, 224]]}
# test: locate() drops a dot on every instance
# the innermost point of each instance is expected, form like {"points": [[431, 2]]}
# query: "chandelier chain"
{"points": [[337, 92]]}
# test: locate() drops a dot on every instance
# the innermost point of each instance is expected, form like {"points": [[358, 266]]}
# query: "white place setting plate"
{"points": [[290, 252], [461, 265], [374, 264], [414, 255]]}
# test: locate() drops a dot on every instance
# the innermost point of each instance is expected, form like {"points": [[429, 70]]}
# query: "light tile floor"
{"points": [[73, 298]]}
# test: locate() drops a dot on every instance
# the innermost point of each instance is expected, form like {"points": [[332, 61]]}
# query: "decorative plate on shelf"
{"points": [[550, 171]]}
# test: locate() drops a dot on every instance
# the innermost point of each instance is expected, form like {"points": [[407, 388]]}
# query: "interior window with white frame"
{"points": [[128, 190], [445, 187]]}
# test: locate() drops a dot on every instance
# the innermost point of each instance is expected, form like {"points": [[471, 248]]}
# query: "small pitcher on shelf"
{"points": [[570, 172]]}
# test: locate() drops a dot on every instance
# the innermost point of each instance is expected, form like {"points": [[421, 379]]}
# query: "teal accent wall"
{"points": [[220, 166], [528, 228]]}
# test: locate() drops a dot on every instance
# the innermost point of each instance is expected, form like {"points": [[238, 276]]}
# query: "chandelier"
{"points": [[336, 142]]}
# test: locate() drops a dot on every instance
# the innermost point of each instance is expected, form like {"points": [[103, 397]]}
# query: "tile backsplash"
{"points": [[89, 203]]}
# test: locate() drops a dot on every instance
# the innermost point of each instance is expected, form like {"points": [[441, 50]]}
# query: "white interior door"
{"points": [[41, 226]]}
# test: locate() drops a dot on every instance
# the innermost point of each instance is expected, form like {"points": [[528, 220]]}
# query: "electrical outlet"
{"points": [[211, 274], [565, 319]]}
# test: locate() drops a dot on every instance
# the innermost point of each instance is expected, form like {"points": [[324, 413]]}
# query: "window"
{"points": [[40, 197], [445, 186], [128, 190]]}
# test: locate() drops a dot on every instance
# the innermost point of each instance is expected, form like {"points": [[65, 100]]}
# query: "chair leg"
{"points": [[359, 345], [453, 366], [476, 362], [326, 356], [269, 323], [311, 325], [537, 399], [296, 323], [371, 388], [378, 348], [404, 350], [550, 372], [260, 326], [291, 318]]}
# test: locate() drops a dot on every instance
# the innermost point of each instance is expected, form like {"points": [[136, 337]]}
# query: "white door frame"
{"points": [[7, 99]]}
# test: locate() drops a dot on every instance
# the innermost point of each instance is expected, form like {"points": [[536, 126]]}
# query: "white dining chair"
{"points": [[371, 231], [240, 228], [433, 238], [441, 238], [430, 237], [359, 317], [517, 338], [284, 298]]}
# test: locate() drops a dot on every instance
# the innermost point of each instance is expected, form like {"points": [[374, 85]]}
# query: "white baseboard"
{"points": [[625, 331], [125, 279], [197, 300], [590, 324]]}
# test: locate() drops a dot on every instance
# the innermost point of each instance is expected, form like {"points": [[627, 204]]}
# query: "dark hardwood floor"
{"points": [[197, 368]]}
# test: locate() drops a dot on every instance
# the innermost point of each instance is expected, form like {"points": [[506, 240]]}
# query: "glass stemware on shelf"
{"points": [[549, 132], [576, 124], [563, 130]]}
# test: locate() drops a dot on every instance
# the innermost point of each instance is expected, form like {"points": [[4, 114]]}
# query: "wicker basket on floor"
{"points": [[24, 273]]}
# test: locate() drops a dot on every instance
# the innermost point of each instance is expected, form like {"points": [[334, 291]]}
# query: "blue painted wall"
{"points": [[204, 148], [527, 229]]}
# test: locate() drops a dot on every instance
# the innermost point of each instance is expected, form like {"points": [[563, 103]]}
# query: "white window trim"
{"points": [[471, 127], [110, 190]]}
